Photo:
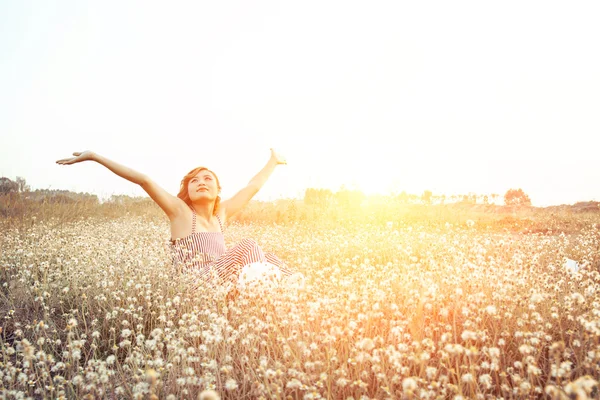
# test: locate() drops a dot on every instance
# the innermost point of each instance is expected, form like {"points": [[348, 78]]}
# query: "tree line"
{"points": [[312, 196], [347, 197]]}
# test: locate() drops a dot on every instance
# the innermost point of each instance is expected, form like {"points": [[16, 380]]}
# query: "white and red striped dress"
{"points": [[206, 252]]}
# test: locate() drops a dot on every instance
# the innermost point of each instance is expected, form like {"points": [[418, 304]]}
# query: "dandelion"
{"points": [[22, 378], [533, 370], [431, 372], [525, 349], [366, 344], [77, 380], [270, 374], [582, 388], [579, 299], [494, 352], [294, 384], [231, 384], [536, 298], [518, 364], [524, 387], [485, 380], [76, 354], [409, 385]]}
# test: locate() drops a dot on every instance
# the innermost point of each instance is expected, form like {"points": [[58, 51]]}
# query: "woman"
{"points": [[197, 217]]}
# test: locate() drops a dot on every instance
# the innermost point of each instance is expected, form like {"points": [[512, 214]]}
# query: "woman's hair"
{"points": [[183, 189]]}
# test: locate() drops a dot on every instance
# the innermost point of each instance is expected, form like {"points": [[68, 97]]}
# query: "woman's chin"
{"points": [[203, 198]]}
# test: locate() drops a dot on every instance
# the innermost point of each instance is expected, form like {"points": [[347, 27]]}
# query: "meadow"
{"points": [[427, 302]]}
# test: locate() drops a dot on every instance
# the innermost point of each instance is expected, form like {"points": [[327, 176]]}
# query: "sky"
{"points": [[452, 97]]}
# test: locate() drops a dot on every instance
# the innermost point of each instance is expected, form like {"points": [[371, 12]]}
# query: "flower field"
{"points": [[93, 309]]}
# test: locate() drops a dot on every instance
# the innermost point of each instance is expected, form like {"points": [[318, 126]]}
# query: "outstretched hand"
{"points": [[79, 157], [279, 159]]}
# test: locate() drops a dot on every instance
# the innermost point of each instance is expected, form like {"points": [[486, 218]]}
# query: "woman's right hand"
{"points": [[79, 157]]}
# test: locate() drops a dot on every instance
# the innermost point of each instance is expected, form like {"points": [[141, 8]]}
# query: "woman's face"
{"points": [[203, 186]]}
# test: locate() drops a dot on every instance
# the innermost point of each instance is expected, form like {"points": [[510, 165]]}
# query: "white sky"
{"points": [[452, 97]]}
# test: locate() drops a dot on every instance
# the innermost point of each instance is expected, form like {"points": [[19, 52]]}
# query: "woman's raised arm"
{"points": [[241, 198], [170, 204]]}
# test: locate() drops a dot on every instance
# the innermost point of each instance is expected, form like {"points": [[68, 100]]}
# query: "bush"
{"points": [[516, 197]]}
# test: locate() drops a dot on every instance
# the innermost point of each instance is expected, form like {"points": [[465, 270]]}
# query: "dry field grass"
{"points": [[422, 303]]}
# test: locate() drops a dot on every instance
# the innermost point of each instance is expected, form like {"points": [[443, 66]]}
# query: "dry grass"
{"points": [[400, 302]]}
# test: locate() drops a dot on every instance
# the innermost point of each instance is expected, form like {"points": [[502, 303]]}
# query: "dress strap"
{"points": [[193, 221], [220, 224]]}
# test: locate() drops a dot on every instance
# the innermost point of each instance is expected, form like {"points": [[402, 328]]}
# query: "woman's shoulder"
{"points": [[222, 217]]}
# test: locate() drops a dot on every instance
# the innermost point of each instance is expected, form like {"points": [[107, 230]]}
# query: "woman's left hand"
{"points": [[278, 158]]}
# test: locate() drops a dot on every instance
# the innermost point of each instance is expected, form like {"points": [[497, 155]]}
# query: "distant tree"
{"points": [[349, 198], [516, 197], [317, 197], [8, 186], [23, 186], [49, 194], [426, 197], [402, 198]]}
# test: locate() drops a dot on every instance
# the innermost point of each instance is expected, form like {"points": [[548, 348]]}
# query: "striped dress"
{"points": [[206, 253]]}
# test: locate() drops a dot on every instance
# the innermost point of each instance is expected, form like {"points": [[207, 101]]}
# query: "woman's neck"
{"points": [[204, 211]]}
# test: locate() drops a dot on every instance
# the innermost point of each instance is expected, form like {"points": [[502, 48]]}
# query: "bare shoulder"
{"points": [[222, 214]]}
